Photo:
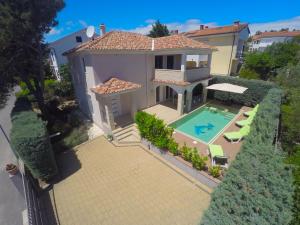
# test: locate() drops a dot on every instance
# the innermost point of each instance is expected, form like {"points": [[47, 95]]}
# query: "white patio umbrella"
{"points": [[227, 88]]}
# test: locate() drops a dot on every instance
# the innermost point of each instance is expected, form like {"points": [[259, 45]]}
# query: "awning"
{"points": [[227, 87]]}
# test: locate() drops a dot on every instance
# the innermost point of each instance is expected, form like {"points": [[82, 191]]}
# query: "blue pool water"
{"points": [[203, 123]]}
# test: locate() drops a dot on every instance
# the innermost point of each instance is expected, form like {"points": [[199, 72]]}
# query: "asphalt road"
{"points": [[12, 202]]}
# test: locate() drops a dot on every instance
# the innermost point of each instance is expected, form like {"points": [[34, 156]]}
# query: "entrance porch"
{"points": [[178, 97]]}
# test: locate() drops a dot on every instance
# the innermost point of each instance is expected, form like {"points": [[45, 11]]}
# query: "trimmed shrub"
{"points": [[257, 188], [257, 90], [198, 161], [153, 129], [186, 152], [173, 147], [215, 171], [30, 141]]}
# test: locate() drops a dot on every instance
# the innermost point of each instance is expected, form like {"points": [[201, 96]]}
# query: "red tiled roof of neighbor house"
{"points": [[120, 40], [115, 85], [178, 42], [179, 83], [276, 34], [216, 30]]}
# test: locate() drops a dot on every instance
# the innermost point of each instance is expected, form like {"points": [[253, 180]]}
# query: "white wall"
{"points": [[267, 41], [137, 68]]}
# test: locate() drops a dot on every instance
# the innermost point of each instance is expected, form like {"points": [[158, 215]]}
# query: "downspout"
{"points": [[229, 66]]}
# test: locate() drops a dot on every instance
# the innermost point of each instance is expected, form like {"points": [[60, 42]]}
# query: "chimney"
{"points": [[102, 29], [206, 27], [237, 22], [201, 27]]}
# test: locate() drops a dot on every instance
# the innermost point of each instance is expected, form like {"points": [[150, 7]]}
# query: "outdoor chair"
{"points": [[245, 122], [217, 155], [236, 136], [252, 112]]}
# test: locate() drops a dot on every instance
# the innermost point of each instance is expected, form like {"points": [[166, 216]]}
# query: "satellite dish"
{"points": [[90, 31]]}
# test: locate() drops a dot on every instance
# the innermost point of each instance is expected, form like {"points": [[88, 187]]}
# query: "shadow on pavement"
{"points": [[68, 163]]}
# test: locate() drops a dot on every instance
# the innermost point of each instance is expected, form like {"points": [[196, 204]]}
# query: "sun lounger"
{"points": [[245, 122], [236, 136], [252, 112], [217, 156]]}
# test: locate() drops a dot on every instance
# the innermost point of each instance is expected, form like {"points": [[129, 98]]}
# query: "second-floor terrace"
{"points": [[182, 67]]}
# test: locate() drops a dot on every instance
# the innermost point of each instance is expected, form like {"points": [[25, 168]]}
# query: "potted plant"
{"points": [[12, 169], [110, 137]]}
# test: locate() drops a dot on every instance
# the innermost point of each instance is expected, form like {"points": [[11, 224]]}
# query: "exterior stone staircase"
{"points": [[127, 135]]}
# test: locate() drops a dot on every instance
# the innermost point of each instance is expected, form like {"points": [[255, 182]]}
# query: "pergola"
{"points": [[227, 88]]}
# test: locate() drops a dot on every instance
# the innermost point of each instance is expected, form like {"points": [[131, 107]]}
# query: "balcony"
{"points": [[178, 69], [189, 75]]}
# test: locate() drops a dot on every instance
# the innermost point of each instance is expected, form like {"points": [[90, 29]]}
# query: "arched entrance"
{"points": [[197, 95]]}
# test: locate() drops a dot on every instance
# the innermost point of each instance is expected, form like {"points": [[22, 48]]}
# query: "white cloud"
{"points": [[192, 24], [292, 23], [151, 21], [83, 23], [55, 31]]}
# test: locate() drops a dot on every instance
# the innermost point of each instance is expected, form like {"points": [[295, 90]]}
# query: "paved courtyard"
{"points": [[104, 184]]}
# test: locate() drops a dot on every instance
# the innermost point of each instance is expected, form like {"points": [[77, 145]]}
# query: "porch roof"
{"points": [[114, 86]]}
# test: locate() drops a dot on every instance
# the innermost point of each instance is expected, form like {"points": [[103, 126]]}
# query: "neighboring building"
{"points": [[261, 41], [229, 40], [58, 47], [121, 72]]}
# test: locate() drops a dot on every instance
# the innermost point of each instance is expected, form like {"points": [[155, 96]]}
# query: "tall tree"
{"points": [[158, 30], [23, 52]]}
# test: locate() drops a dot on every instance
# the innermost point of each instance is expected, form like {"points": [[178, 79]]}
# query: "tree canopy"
{"points": [[23, 53], [159, 30]]}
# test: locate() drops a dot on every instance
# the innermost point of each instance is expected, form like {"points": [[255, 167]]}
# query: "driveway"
{"points": [[12, 202], [104, 184]]}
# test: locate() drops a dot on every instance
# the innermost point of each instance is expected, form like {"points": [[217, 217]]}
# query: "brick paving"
{"points": [[104, 184]]}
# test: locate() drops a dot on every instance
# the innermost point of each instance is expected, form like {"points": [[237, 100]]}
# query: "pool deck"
{"points": [[230, 149]]}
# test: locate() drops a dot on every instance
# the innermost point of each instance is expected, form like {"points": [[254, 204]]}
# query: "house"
{"points": [[58, 47], [229, 40], [121, 72], [261, 41]]}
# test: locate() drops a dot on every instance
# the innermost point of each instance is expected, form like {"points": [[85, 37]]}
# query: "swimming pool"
{"points": [[204, 123]]}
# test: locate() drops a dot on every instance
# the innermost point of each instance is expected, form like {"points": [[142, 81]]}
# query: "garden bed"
{"points": [[178, 161]]}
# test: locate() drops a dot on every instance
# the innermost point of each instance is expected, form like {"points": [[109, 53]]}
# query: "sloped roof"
{"points": [[216, 30], [120, 40], [178, 42], [114, 85], [276, 34]]}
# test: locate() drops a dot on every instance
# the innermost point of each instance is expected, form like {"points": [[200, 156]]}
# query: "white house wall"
{"points": [[138, 68]]}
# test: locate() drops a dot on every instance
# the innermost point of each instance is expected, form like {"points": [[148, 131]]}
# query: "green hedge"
{"points": [[257, 90], [257, 188], [154, 130], [30, 141]]}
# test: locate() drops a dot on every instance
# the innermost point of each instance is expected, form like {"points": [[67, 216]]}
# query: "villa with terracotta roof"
{"points": [[265, 39], [118, 73], [229, 41]]}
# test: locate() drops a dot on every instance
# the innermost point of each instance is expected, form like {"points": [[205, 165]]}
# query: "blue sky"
{"points": [[137, 15]]}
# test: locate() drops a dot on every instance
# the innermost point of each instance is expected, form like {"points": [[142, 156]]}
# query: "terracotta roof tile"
{"points": [[216, 30], [276, 34], [120, 40], [115, 85], [178, 42]]}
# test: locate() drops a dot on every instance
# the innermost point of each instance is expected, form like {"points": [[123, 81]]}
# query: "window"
{"points": [[78, 39], [170, 62], [158, 62]]}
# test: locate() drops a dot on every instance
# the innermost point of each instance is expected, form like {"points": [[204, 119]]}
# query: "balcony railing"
{"points": [[190, 75]]}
